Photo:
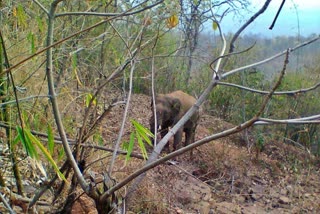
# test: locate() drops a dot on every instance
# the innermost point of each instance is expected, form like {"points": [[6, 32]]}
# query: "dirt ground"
{"points": [[224, 176]]}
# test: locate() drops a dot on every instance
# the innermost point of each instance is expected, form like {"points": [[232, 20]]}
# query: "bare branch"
{"points": [[123, 120], [289, 93], [54, 103], [41, 6], [267, 121], [230, 54], [23, 99], [278, 12], [237, 34]]}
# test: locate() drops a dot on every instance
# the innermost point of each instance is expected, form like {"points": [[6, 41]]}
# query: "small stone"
{"points": [[284, 200], [283, 192], [179, 211], [307, 195]]}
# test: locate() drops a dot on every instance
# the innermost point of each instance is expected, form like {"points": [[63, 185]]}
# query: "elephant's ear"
{"points": [[175, 105]]}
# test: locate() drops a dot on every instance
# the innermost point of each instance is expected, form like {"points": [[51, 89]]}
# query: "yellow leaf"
{"points": [[77, 77], [172, 21], [214, 25], [14, 11]]}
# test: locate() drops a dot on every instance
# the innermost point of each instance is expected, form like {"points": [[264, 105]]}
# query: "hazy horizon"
{"points": [[297, 17]]}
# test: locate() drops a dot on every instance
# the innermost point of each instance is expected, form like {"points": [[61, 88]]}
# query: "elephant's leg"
{"points": [[190, 136], [177, 139]]}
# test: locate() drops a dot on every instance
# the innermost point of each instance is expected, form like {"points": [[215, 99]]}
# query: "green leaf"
{"points": [[143, 132], [88, 100], [74, 61], [45, 153], [26, 142], [61, 154], [50, 139], [32, 42], [141, 145], [21, 15], [130, 146], [98, 138], [40, 23]]}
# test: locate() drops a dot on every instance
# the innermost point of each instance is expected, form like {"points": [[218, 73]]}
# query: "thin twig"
{"points": [[23, 99], [278, 12], [6, 204], [123, 120], [41, 6], [243, 27]]}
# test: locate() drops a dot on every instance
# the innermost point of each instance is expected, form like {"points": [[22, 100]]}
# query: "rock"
{"points": [[283, 192], [256, 192], [226, 208], [307, 195], [284, 200], [202, 207], [241, 199], [84, 205], [179, 211], [191, 191], [252, 209]]}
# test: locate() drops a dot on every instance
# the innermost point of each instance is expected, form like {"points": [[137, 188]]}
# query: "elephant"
{"points": [[169, 110]]}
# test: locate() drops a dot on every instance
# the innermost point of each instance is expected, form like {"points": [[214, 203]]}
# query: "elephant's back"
{"points": [[186, 100]]}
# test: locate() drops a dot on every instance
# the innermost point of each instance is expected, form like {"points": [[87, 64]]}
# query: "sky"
{"points": [[297, 17]]}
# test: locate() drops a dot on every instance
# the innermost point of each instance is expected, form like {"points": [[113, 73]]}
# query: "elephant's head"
{"points": [[167, 110]]}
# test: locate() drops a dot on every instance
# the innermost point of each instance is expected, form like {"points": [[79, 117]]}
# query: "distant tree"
{"points": [[194, 15]]}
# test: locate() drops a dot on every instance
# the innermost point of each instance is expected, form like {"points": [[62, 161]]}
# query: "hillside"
{"points": [[224, 176]]}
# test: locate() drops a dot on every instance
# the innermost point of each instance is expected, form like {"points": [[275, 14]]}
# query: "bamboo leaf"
{"points": [[141, 145], [61, 154], [46, 154], [50, 139], [26, 143], [144, 132], [40, 24], [32, 42], [89, 98], [74, 63], [21, 15], [141, 128], [130, 146]]}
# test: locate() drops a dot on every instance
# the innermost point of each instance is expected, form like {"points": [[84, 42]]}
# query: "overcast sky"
{"points": [[296, 17]]}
